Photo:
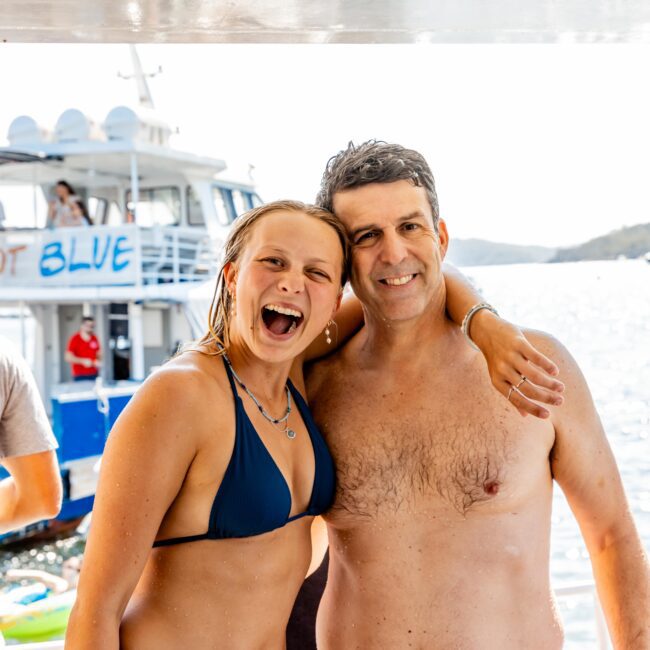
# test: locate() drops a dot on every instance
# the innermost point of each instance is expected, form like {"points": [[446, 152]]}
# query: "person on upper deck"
{"points": [[439, 532], [216, 462], [59, 213]]}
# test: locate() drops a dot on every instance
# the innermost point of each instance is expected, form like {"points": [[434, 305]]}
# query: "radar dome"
{"points": [[24, 130], [74, 126], [124, 123]]}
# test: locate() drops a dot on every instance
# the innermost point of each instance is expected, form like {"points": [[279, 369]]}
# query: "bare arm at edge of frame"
{"points": [[32, 491], [583, 464]]}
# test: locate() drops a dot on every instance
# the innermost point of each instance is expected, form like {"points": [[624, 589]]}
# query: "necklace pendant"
{"points": [[291, 434]]}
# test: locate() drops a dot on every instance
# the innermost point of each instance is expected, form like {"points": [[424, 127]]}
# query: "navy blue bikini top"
{"points": [[254, 497]]}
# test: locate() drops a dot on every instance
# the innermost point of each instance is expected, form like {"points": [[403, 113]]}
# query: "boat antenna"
{"points": [[144, 94]]}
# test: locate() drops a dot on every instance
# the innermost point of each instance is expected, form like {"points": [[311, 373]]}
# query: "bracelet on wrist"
{"points": [[468, 319]]}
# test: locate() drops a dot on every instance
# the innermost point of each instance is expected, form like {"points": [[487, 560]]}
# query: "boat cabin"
{"points": [[157, 218]]}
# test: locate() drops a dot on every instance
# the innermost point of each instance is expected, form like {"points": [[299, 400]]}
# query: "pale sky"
{"points": [[529, 144]]}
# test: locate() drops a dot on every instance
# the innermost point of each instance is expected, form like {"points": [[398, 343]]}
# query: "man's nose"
{"points": [[291, 281], [393, 249]]}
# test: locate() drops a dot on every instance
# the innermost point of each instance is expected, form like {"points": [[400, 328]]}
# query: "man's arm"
{"points": [[584, 467], [32, 492], [70, 355], [73, 358], [33, 489]]}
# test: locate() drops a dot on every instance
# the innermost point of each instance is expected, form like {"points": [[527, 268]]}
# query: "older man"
{"points": [[439, 535]]}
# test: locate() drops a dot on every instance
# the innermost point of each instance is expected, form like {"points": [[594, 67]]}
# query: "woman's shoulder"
{"points": [[189, 382], [182, 405]]}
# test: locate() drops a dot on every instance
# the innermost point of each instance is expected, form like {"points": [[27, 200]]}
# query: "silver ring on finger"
{"points": [[510, 391], [523, 379]]}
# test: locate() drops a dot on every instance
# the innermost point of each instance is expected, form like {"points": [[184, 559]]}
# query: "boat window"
{"points": [[194, 209], [240, 204], [221, 204], [113, 215], [157, 206], [97, 209], [255, 200]]}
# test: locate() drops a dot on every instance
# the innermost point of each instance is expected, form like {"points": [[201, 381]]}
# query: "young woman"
{"points": [[60, 209], [216, 462]]}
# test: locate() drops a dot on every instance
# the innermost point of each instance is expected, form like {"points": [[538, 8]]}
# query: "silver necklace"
{"points": [[291, 434]]}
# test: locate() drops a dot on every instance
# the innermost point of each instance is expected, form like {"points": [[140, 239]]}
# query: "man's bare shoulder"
{"points": [[550, 346], [578, 406]]}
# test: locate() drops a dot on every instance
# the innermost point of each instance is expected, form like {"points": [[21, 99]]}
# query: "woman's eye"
{"points": [[320, 274], [275, 261]]}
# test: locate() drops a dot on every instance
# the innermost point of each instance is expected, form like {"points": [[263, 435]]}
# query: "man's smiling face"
{"points": [[396, 252]]}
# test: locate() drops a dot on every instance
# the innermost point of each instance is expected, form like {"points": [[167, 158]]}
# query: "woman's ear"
{"points": [[230, 276]]}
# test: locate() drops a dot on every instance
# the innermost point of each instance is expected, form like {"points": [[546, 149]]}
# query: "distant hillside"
{"points": [[479, 252], [633, 241]]}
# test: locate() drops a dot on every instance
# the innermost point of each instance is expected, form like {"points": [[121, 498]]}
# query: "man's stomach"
{"points": [[475, 583]]}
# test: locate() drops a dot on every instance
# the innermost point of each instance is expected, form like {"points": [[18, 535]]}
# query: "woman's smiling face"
{"points": [[286, 284]]}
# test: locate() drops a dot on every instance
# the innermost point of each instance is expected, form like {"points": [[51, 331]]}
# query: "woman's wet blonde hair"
{"points": [[216, 339]]}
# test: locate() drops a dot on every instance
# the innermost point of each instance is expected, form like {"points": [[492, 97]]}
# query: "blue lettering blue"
{"points": [[98, 265], [52, 259], [117, 251], [76, 266]]}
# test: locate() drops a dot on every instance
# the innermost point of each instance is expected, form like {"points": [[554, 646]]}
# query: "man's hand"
{"points": [[510, 358]]}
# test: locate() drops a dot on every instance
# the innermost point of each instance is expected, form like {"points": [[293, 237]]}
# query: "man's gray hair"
{"points": [[376, 162]]}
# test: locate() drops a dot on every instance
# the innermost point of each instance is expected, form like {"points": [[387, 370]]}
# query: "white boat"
{"points": [[159, 219]]}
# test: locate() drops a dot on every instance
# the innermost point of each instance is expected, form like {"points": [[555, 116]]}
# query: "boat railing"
{"points": [[561, 593], [125, 255], [176, 255], [588, 589]]}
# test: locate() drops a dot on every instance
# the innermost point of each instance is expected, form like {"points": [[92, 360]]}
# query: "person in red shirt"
{"points": [[84, 352]]}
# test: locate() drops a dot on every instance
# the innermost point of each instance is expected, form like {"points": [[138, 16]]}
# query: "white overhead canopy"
{"points": [[108, 163], [324, 21]]}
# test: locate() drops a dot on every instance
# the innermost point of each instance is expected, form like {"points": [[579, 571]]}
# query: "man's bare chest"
{"points": [[413, 445]]}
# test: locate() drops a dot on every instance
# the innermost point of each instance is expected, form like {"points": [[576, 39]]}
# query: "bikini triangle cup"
{"points": [[254, 497]]}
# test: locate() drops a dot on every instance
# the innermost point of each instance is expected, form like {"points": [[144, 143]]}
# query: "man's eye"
{"points": [[365, 237], [411, 226]]}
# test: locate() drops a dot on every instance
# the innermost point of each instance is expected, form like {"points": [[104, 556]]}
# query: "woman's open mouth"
{"points": [[281, 320]]}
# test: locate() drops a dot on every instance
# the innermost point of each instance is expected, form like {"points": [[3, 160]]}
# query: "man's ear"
{"points": [[443, 238], [338, 303], [230, 276]]}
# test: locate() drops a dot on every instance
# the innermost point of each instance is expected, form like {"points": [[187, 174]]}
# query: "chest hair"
{"points": [[399, 452]]}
